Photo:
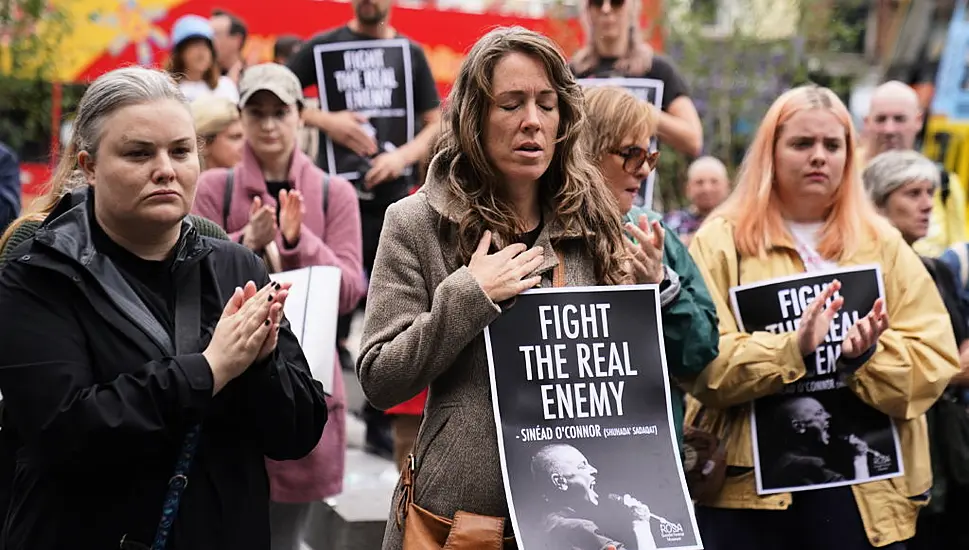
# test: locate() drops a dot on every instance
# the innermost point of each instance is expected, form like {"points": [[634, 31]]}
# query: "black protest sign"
{"points": [[651, 91], [372, 78], [582, 408], [816, 433]]}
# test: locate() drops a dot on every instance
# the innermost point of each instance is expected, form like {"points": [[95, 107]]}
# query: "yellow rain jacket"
{"points": [[912, 364]]}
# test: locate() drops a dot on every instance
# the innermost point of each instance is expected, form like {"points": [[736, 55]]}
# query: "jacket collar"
{"points": [[249, 173], [67, 231]]}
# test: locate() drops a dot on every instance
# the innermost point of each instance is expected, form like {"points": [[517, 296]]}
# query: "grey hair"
{"points": [[110, 92], [115, 90], [892, 169]]}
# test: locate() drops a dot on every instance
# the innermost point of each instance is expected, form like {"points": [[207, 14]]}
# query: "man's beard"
{"points": [[374, 18]]}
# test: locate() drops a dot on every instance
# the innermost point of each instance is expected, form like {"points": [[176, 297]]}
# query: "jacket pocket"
{"points": [[435, 445]]}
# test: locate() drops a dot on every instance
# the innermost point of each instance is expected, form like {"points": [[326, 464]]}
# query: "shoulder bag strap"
{"points": [[227, 198], [558, 273], [326, 193], [188, 327]]}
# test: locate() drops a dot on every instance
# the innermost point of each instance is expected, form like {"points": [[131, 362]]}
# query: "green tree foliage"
{"points": [[738, 56], [27, 67]]}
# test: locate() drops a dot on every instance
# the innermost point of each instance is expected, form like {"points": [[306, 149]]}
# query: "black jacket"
{"points": [[97, 405]]}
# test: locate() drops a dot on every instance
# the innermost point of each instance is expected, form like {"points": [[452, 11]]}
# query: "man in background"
{"points": [[707, 186], [384, 176], [230, 35], [894, 121]]}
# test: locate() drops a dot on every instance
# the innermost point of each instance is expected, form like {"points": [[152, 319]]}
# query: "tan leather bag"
{"points": [[424, 530]]}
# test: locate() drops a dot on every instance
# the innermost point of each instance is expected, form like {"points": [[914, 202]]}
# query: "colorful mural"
{"points": [[135, 25]]}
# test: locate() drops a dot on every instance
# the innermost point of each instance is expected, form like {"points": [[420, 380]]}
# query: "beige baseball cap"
{"points": [[271, 77]]}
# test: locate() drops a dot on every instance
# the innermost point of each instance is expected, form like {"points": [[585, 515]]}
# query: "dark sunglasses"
{"points": [[634, 157], [613, 3]]}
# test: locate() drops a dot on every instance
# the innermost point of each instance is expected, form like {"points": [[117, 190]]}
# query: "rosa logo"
{"points": [[670, 531]]}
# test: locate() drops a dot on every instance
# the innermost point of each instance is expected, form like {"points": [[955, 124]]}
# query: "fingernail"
{"points": [[276, 285], [267, 322], [270, 298]]}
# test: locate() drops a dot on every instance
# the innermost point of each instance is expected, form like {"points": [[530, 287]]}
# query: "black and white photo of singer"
{"points": [[567, 483], [807, 453]]}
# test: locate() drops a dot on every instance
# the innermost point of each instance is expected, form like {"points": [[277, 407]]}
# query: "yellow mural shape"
{"points": [[109, 26]]}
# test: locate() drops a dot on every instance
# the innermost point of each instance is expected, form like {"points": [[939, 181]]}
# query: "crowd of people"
{"points": [[154, 395]]}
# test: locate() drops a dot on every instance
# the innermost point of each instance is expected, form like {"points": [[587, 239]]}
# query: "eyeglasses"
{"points": [[634, 157], [612, 3]]}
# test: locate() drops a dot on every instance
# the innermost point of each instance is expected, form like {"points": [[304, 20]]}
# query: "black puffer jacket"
{"points": [[97, 403]]}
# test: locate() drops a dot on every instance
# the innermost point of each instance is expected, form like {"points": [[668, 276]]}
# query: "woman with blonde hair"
{"points": [[219, 124], [800, 206], [510, 195], [617, 135]]}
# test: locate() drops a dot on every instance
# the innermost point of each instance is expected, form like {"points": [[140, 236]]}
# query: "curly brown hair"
{"points": [[572, 189]]}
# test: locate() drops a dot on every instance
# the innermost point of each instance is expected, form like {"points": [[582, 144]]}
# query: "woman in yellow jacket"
{"points": [[800, 206]]}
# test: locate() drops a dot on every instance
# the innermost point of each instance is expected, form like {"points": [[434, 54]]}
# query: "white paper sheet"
{"points": [[312, 309]]}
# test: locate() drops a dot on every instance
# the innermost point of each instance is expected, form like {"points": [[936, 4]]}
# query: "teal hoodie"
{"points": [[690, 331]]}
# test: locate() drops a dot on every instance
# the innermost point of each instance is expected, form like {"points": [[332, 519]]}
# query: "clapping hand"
{"points": [[261, 229], [816, 320], [647, 255], [291, 211], [865, 333], [241, 332], [275, 313]]}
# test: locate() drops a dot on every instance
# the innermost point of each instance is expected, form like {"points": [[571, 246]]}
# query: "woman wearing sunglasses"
{"points": [[615, 47], [617, 134]]}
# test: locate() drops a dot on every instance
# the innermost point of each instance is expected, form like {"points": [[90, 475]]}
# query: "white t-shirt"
{"points": [[806, 241], [225, 88]]}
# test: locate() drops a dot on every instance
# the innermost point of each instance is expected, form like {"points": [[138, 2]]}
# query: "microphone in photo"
{"points": [[853, 440], [624, 500]]}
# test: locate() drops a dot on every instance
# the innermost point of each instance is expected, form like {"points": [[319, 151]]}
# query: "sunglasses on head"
{"points": [[612, 3], [634, 157]]}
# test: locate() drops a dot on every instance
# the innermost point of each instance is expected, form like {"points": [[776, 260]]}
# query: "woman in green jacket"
{"points": [[619, 128]]}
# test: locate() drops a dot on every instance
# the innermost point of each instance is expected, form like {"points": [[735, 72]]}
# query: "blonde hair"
{"points": [[753, 207], [614, 113], [572, 187], [111, 92], [213, 114]]}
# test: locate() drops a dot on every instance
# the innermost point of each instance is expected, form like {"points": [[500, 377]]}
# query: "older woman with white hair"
{"points": [[902, 184]]}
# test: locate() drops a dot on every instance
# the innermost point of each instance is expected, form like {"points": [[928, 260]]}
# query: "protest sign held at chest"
{"points": [[814, 432], [579, 382], [777, 306]]}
